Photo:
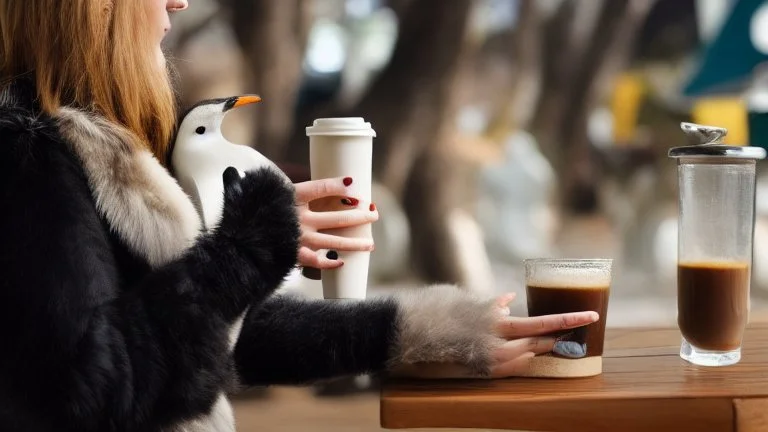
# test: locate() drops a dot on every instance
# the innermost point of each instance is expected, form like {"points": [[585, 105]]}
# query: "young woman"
{"points": [[115, 309]]}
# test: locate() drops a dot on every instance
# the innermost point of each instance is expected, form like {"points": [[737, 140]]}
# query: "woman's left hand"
{"points": [[528, 336], [525, 338], [328, 197]]}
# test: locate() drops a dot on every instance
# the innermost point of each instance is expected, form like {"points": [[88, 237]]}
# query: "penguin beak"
{"points": [[239, 101]]}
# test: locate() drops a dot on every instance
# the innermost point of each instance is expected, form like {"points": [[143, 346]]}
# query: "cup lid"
{"points": [[707, 141], [346, 126]]}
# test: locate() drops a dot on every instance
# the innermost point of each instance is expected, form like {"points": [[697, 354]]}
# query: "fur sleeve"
{"points": [[445, 324], [84, 353], [289, 340]]}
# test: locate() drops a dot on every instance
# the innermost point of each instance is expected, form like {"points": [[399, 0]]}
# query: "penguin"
{"points": [[201, 154]]}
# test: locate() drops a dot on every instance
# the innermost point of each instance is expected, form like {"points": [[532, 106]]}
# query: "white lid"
{"points": [[341, 126]]}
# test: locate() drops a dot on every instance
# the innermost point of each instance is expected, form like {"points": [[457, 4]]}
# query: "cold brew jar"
{"points": [[715, 235]]}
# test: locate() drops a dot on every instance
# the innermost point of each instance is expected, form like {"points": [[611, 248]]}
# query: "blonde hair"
{"points": [[94, 55]]}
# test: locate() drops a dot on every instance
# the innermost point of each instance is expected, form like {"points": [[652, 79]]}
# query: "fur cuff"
{"points": [[444, 324]]}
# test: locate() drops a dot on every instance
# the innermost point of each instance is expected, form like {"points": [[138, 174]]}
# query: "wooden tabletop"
{"points": [[645, 386]]}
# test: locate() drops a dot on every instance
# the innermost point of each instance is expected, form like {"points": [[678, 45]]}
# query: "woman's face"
{"points": [[160, 10]]}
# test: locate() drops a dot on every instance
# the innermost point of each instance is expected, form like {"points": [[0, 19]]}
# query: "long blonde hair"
{"points": [[91, 54]]}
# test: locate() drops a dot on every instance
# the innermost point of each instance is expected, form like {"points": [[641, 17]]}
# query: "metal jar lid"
{"points": [[707, 141]]}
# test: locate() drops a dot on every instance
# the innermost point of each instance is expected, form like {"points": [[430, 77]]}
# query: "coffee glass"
{"points": [[715, 236], [555, 286], [343, 147]]}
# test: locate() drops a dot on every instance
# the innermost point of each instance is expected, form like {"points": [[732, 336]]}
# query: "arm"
{"points": [[80, 351], [288, 340]]}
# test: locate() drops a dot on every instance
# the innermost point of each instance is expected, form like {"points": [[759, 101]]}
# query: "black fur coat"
{"points": [[118, 314]]}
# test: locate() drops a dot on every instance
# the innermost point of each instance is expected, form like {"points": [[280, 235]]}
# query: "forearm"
{"points": [[288, 340], [291, 341]]}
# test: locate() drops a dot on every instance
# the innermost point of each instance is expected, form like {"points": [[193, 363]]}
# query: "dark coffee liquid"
{"points": [[543, 300], [712, 304]]}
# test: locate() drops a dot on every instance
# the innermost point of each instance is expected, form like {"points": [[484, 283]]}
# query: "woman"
{"points": [[115, 308]]}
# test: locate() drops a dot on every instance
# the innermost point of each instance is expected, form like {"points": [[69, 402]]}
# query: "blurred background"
{"points": [[507, 129]]}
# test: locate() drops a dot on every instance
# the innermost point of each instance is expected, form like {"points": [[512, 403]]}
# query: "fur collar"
{"points": [[133, 191], [137, 196]]}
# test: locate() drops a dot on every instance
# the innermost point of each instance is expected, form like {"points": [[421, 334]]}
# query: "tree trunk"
{"points": [[410, 100], [399, 7], [517, 101], [579, 70], [272, 35], [412, 106], [609, 49]]}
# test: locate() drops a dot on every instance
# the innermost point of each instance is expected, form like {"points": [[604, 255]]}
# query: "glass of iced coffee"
{"points": [[555, 286], [715, 234]]}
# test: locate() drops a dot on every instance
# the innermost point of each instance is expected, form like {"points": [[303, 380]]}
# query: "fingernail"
{"points": [[347, 181], [372, 207], [570, 349], [350, 201], [332, 255], [504, 311]]}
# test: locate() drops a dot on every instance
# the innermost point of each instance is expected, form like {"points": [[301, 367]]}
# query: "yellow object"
{"points": [[727, 112], [626, 100]]}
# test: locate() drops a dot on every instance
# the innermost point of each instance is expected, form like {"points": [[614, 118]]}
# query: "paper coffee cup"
{"points": [[343, 147]]}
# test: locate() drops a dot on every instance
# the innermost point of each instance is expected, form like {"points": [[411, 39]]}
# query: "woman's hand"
{"points": [[331, 207], [526, 337]]}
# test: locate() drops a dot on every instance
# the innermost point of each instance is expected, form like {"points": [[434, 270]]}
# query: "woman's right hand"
{"points": [[325, 195]]}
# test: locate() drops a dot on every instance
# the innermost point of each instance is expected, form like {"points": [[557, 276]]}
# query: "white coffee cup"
{"points": [[343, 147]]}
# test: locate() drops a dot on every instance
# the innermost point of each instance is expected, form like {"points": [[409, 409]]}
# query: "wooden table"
{"points": [[645, 386]]}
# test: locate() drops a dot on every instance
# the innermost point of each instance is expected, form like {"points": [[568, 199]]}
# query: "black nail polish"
{"points": [[332, 255]]}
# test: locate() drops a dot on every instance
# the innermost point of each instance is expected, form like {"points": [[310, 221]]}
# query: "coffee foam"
{"points": [[569, 277], [548, 366]]}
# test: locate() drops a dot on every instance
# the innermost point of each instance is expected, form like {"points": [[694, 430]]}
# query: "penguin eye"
{"points": [[200, 130]]}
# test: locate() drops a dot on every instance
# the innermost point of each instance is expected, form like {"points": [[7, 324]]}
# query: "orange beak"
{"points": [[247, 100]]}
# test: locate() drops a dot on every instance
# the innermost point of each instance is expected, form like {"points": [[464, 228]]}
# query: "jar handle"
{"points": [[703, 135]]}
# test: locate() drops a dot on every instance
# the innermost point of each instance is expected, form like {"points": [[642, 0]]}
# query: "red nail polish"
{"points": [[347, 181], [350, 201], [372, 207]]}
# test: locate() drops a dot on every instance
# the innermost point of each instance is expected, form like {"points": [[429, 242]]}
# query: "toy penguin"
{"points": [[201, 154]]}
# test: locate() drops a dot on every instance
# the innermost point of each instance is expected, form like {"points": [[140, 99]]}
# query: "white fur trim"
{"points": [[445, 324], [139, 198], [221, 419]]}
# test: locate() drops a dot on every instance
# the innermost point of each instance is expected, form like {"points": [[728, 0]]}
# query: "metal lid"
{"points": [[707, 141]]}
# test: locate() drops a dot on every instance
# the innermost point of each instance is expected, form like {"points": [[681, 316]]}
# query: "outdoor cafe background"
{"points": [[507, 129]]}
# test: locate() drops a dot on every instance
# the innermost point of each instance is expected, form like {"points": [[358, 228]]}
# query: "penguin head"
{"points": [[202, 122]]}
